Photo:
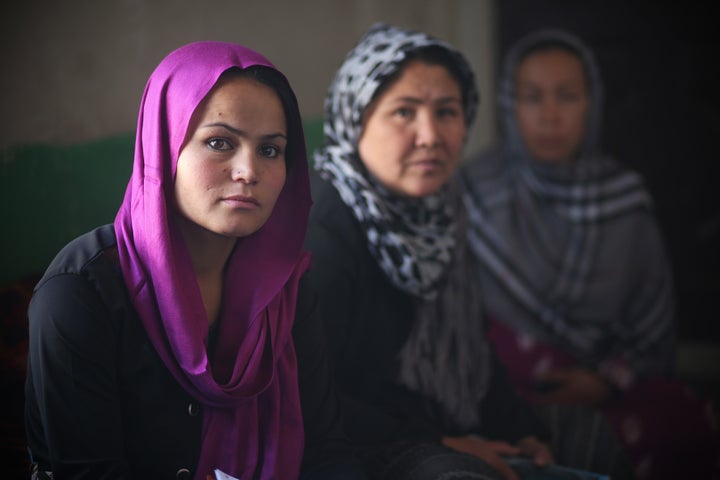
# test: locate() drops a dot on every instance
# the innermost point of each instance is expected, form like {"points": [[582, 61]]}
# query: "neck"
{"points": [[209, 253]]}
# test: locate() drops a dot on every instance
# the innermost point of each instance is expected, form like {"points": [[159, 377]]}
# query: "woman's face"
{"points": [[551, 105], [231, 168], [414, 132]]}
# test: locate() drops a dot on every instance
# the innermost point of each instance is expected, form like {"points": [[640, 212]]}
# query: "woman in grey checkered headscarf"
{"points": [[571, 251], [575, 279]]}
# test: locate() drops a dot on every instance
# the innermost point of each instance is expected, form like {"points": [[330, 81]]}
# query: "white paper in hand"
{"points": [[220, 475]]}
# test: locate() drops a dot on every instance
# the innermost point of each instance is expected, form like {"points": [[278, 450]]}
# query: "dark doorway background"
{"points": [[659, 62]]}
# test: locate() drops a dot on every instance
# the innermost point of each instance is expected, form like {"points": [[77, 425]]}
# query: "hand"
{"points": [[536, 450], [577, 386], [489, 451]]}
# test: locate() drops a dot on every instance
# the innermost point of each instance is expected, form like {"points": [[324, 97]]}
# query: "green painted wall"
{"points": [[51, 194]]}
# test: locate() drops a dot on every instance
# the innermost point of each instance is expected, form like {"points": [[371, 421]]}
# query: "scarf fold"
{"points": [[418, 243], [538, 230], [252, 424]]}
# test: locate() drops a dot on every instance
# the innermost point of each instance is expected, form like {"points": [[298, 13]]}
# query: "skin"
{"points": [[230, 172], [492, 451], [413, 134], [551, 105]]}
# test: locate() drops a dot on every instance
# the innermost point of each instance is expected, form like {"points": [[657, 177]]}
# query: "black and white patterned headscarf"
{"points": [[419, 243], [412, 239]]}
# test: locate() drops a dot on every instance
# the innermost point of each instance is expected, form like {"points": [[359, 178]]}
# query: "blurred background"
{"points": [[74, 71]]}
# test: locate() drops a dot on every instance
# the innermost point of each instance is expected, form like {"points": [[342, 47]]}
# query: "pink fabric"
{"points": [[255, 415], [668, 430]]}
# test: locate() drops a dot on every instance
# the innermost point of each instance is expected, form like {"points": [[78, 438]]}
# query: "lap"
{"points": [[583, 438], [414, 460]]}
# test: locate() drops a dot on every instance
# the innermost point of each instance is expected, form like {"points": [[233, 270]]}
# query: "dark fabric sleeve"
{"points": [[72, 382], [647, 333], [504, 415], [328, 452], [360, 316]]}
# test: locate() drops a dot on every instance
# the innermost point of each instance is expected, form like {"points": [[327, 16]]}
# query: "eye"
{"points": [[528, 97], [568, 96], [269, 151], [448, 112], [217, 143], [403, 112]]}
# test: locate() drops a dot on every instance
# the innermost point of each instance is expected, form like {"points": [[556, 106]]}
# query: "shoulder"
{"points": [[484, 164], [486, 177], [306, 299], [82, 280], [326, 199], [80, 255], [332, 224]]}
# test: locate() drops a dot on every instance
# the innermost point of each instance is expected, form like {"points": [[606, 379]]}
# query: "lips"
{"points": [[425, 163], [241, 201], [551, 142]]}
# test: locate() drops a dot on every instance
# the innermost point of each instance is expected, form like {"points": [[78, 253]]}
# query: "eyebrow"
{"points": [[418, 101], [241, 133]]}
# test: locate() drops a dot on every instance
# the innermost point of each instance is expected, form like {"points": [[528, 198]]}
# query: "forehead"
{"points": [[241, 102], [551, 65], [237, 90], [423, 78]]}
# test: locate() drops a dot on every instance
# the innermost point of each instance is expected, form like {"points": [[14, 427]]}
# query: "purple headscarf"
{"points": [[251, 419]]}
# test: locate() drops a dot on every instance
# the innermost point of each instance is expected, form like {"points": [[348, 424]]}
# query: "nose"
{"points": [[245, 167], [427, 133], [550, 111]]}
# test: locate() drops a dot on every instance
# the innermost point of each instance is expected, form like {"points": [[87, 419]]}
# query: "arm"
{"points": [[647, 332], [643, 334], [327, 449], [354, 306], [73, 411], [504, 414], [510, 428], [334, 276]]}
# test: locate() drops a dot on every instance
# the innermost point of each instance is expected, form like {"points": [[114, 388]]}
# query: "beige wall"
{"points": [[74, 70]]}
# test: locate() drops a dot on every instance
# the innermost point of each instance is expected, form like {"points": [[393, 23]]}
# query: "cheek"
{"points": [[577, 126], [524, 121], [455, 139], [275, 177], [372, 155]]}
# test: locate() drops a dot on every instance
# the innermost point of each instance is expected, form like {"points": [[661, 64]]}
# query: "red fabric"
{"points": [[668, 429]]}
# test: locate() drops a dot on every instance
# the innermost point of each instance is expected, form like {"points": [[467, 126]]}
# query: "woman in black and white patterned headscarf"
{"points": [[396, 284]]}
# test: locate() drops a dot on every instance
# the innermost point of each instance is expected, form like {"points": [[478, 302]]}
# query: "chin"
{"points": [[236, 231], [419, 191], [553, 159]]}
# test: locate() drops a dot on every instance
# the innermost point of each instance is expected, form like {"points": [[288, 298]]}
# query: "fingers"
{"points": [[491, 452], [488, 451], [502, 467], [537, 450], [502, 448]]}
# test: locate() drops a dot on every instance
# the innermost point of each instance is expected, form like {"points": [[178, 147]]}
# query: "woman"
{"points": [[419, 386], [160, 345], [576, 282]]}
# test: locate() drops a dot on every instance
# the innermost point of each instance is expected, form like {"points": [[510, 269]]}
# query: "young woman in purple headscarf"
{"points": [[181, 339]]}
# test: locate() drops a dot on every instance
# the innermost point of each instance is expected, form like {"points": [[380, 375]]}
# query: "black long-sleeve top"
{"points": [[100, 403], [368, 321]]}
